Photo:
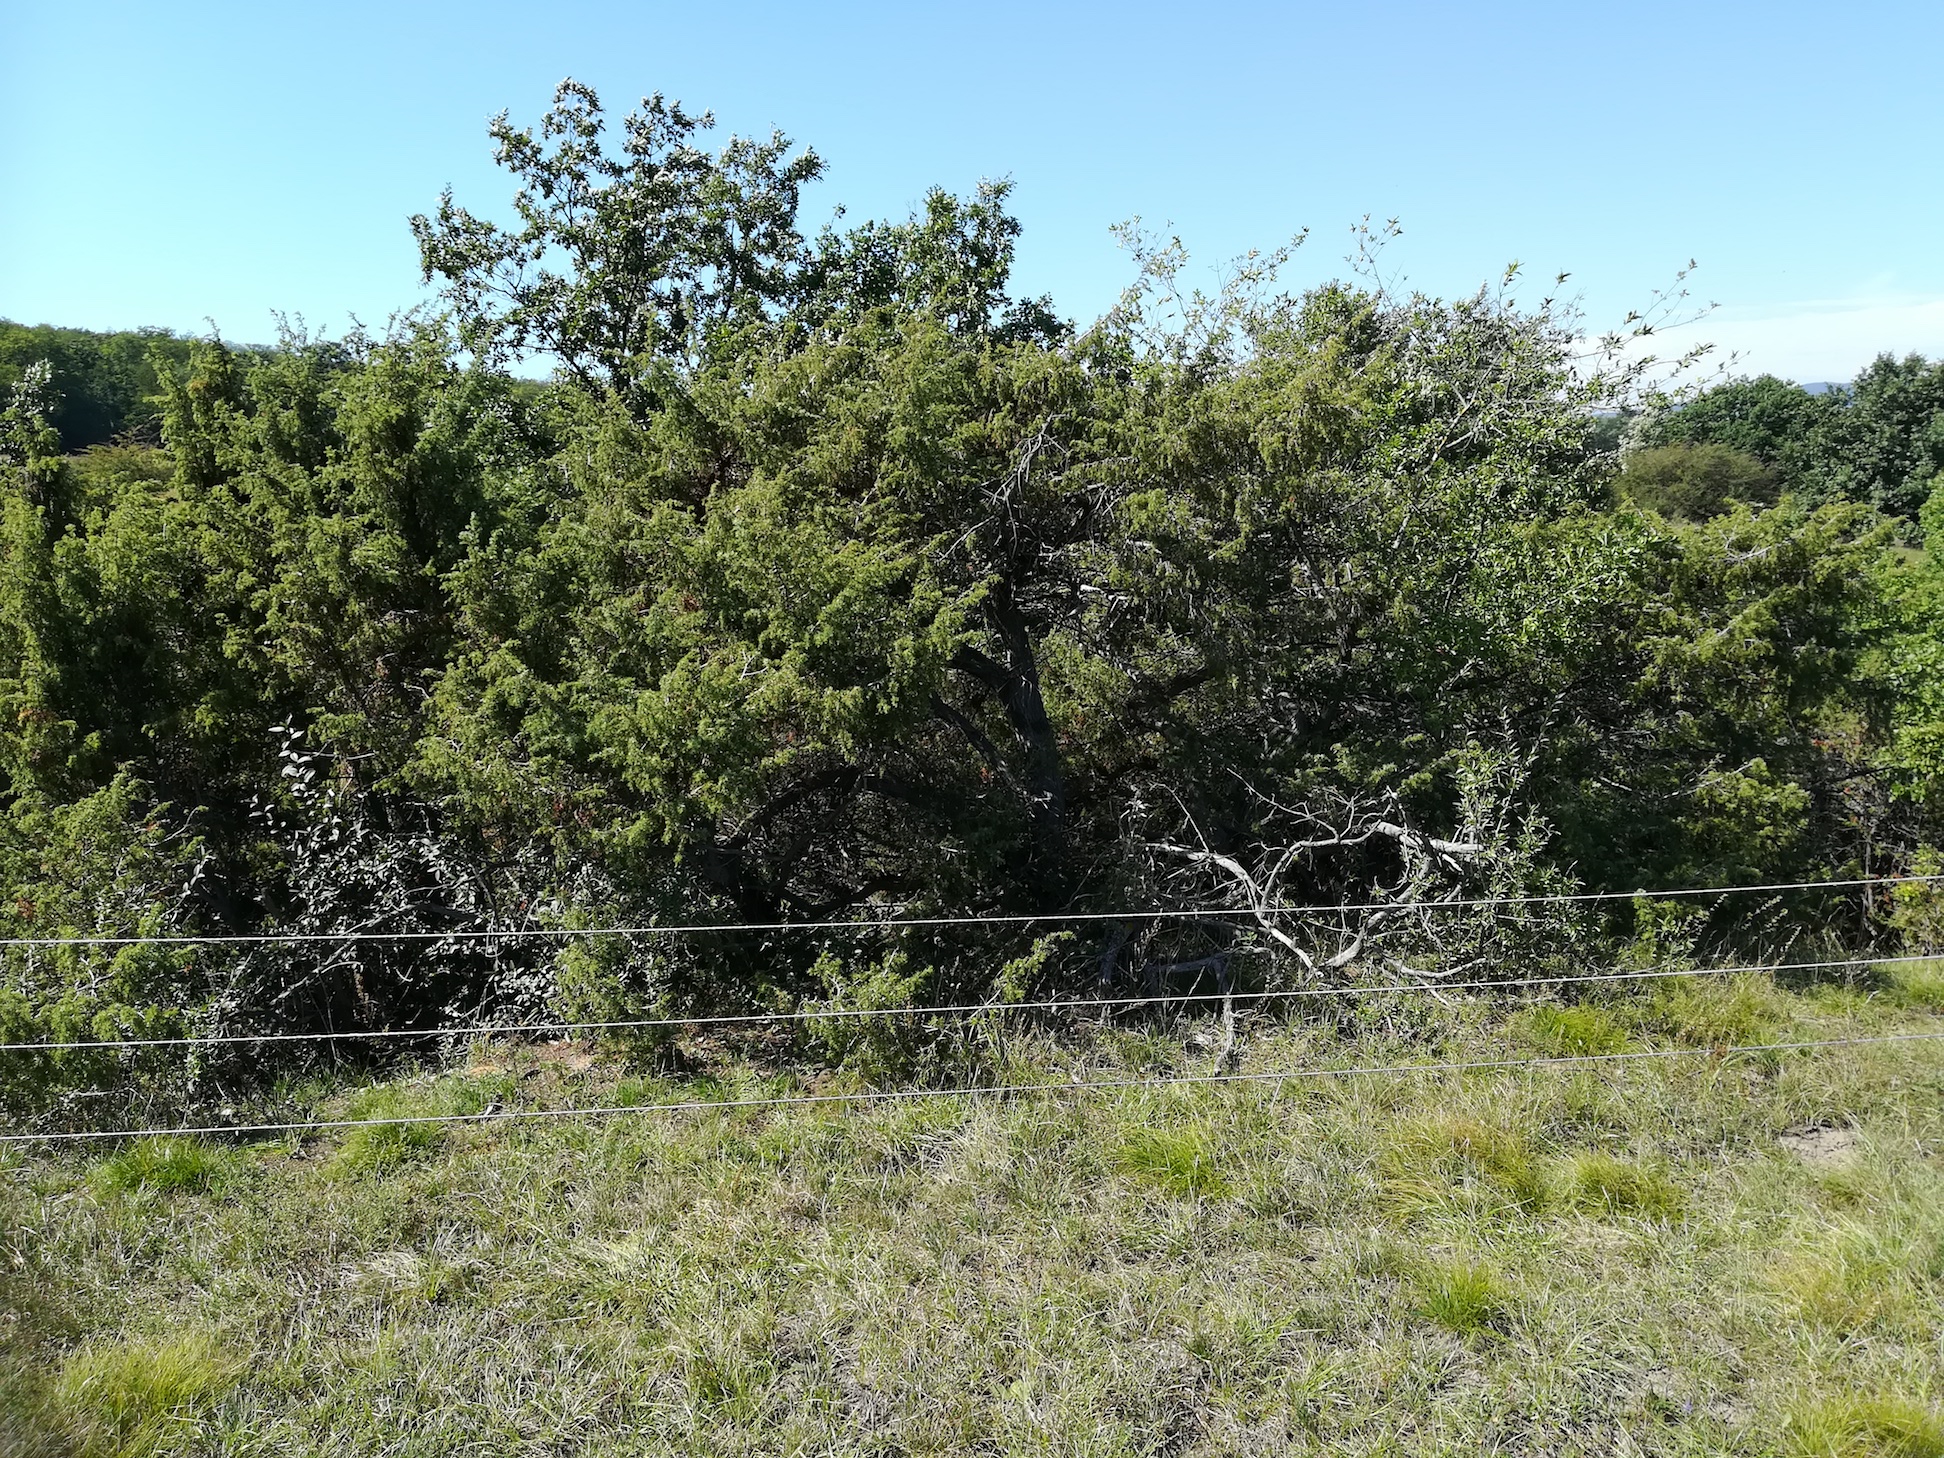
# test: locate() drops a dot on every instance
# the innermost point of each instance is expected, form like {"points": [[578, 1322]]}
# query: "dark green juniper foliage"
{"points": [[824, 572]]}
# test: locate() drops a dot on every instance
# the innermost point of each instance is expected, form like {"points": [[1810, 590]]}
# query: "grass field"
{"points": [[1673, 1256]]}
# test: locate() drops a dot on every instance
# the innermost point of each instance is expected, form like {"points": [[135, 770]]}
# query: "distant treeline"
{"points": [[828, 575], [1879, 440], [104, 384]]}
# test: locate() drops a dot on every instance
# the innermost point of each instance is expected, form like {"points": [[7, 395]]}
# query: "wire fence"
{"points": [[856, 924], [1051, 1005], [1230, 999], [872, 1096]]}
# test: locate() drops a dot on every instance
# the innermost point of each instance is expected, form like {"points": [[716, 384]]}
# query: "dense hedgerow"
{"points": [[824, 573]]}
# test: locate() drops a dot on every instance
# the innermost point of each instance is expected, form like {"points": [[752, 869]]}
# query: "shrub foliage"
{"points": [[824, 574]]}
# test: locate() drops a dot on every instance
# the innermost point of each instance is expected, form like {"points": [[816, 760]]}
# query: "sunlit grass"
{"points": [[1181, 1161], [1707, 1012], [1868, 1427], [1571, 1031], [1916, 985], [1637, 1256], [136, 1397], [1848, 1279], [1462, 1295], [166, 1165], [1453, 1158], [1607, 1185]]}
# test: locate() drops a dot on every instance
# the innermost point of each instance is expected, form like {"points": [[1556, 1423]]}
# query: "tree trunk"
{"points": [[1015, 683]]}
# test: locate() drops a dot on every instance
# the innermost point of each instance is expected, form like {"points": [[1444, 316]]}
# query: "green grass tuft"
{"points": [[384, 1147], [1849, 1281], [1453, 1159], [1710, 1012], [165, 1165], [1602, 1183], [380, 1147], [1462, 1295], [130, 1398], [1915, 985], [1181, 1161], [1571, 1032], [1868, 1427]]}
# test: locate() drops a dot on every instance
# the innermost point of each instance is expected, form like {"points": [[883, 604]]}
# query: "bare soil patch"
{"points": [[1820, 1148]]}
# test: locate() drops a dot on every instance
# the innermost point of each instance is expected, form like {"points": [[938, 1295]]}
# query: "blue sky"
{"points": [[175, 164]]}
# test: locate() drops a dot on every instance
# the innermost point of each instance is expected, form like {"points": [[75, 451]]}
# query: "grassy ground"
{"points": [[1680, 1256]]}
